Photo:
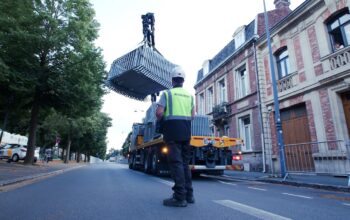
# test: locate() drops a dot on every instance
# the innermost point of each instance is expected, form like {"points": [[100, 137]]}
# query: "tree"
{"points": [[126, 145], [47, 49]]}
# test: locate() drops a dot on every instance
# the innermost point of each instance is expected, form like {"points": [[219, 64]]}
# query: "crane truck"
{"points": [[209, 154], [143, 72]]}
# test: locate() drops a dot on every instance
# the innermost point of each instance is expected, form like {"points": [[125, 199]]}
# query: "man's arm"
{"points": [[159, 112], [193, 113], [161, 107]]}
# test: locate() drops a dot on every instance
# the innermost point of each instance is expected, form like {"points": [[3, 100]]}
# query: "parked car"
{"points": [[16, 152]]}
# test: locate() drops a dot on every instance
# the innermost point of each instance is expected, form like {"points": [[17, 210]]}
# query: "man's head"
{"points": [[177, 76]]}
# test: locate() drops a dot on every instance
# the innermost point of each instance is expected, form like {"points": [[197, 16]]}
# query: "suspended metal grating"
{"points": [[139, 73], [200, 126]]}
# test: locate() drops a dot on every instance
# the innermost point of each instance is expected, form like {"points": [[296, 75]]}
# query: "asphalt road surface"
{"points": [[112, 191]]}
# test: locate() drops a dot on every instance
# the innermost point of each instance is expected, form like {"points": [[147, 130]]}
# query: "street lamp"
{"points": [[278, 122]]}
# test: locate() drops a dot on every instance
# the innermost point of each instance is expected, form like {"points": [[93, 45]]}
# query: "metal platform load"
{"points": [[140, 73], [143, 71], [200, 126]]}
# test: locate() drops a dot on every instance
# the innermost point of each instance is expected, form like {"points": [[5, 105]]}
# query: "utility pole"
{"points": [[278, 122]]}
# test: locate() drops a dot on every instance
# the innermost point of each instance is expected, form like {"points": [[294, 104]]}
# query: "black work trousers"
{"points": [[178, 159]]}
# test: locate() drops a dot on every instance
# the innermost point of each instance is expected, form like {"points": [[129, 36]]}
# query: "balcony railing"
{"points": [[220, 111], [287, 82], [339, 58], [337, 61]]}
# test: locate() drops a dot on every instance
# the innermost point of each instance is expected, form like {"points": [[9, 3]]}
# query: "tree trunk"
{"points": [[32, 130], [78, 156], [62, 153], [68, 150], [7, 110]]}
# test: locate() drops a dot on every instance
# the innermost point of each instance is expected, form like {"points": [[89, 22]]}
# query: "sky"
{"points": [[187, 32]]}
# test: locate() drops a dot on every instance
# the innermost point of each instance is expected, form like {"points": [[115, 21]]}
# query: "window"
{"points": [[201, 106], [242, 83], [239, 36], [227, 130], [245, 132], [282, 61], [212, 130], [210, 98], [339, 31], [206, 67], [222, 91]]}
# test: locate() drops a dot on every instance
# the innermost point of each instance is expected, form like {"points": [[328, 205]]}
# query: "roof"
{"points": [[227, 51], [254, 28]]}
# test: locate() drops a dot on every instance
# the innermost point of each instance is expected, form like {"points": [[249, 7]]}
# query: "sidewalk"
{"points": [[11, 173], [315, 181]]}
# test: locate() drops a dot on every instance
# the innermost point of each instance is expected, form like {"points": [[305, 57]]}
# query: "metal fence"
{"points": [[327, 157]]}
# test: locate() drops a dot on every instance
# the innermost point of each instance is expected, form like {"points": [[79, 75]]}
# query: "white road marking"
{"points": [[348, 204], [164, 182], [258, 213], [295, 195], [232, 184], [257, 188]]}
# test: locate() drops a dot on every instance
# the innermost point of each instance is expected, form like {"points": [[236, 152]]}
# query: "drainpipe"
{"points": [[260, 118]]}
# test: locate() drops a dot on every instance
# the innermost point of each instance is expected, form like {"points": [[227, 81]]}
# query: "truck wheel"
{"points": [[155, 167], [131, 161], [134, 162], [15, 158], [146, 165]]}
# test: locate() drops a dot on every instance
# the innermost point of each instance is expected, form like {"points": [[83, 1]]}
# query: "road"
{"points": [[112, 191]]}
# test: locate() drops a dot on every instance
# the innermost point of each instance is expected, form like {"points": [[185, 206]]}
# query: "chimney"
{"points": [[281, 3]]}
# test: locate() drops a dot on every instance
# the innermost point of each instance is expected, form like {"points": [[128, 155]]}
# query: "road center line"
{"points": [[232, 184], [348, 204], [295, 195], [257, 188], [259, 213]]}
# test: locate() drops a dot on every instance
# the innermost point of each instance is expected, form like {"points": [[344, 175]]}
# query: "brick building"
{"points": [[312, 62], [228, 91]]}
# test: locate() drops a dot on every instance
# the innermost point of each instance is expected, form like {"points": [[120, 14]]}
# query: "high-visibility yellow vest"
{"points": [[179, 104]]}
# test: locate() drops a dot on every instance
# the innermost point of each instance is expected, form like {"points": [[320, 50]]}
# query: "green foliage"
{"points": [[51, 67], [126, 145]]}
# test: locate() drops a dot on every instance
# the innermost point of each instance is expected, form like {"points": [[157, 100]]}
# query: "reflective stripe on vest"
{"points": [[179, 104]]}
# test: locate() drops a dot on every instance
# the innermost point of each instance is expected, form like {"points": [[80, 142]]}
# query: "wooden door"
{"points": [[346, 105], [296, 134]]}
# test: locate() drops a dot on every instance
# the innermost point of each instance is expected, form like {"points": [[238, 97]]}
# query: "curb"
{"points": [[291, 183], [310, 185], [25, 178]]}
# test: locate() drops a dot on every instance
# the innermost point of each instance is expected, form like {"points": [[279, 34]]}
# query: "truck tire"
{"points": [[131, 162], [146, 165], [154, 163], [134, 162]]}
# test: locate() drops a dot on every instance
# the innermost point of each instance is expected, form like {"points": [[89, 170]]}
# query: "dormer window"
{"points": [[205, 67], [239, 36]]}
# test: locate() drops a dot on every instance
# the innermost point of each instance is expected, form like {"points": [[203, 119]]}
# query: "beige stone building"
{"points": [[311, 58]]}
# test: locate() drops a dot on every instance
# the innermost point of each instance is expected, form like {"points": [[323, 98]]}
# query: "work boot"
{"points": [[190, 199], [174, 202]]}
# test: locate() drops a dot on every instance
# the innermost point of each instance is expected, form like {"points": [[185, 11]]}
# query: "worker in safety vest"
{"points": [[176, 108]]}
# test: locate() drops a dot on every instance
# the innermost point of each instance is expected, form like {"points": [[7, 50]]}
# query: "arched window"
{"points": [[282, 61], [339, 30]]}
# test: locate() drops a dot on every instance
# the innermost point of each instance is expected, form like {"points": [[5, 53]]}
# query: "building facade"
{"points": [[311, 57], [227, 89]]}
